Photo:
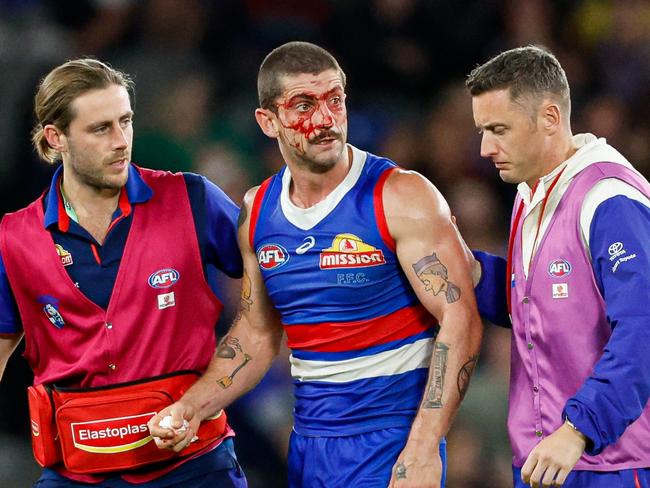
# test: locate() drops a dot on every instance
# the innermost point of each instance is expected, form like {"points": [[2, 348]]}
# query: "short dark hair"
{"points": [[526, 71], [62, 86], [292, 58]]}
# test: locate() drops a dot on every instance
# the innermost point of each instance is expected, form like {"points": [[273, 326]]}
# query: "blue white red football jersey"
{"points": [[360, 340]]}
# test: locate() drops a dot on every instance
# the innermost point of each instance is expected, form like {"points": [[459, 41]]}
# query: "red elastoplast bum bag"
{"points": [[97, 430]]}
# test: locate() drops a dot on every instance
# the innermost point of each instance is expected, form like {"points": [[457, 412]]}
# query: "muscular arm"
{"points": [[8, 344], [432, 256], [242, 357]]}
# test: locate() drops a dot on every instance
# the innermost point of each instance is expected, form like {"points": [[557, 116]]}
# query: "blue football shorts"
{"points": [[355, 461]]}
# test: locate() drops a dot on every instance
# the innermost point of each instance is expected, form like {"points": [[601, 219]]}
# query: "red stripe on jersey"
{"points": [[124, 204], [380, 216], [349, 336], [255, 211], [63, 217]]}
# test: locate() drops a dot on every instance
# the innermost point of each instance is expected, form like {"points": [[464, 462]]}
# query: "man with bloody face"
{"points": [[332, 248]]}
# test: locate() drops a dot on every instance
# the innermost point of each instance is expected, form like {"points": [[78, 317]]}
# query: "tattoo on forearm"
{"points": [[434, 276], [433, 398], [400, 471], [228, 347], [243, 213], [465, 374], [226, 381]]}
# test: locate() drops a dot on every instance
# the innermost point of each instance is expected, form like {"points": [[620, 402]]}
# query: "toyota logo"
{"points": [[615, 248]]}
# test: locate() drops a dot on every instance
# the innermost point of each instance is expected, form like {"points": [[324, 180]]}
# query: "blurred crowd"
{"points": [[195, 65]]}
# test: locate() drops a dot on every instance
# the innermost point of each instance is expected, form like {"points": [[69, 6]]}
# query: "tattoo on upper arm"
{"points": [[433, 398], [243, 213], [246, 289], [245, 301], [400, 471], [465, 374], [433, 275]]}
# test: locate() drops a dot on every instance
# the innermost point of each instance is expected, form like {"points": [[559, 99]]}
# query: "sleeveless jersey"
{"points": [[360, 340]]}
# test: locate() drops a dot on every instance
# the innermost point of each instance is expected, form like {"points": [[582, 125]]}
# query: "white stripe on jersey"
{"points": [[307, 218], [396, 361]]}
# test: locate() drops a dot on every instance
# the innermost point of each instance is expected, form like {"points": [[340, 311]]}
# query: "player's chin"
{"points": [[116, 181], [508, 177]]}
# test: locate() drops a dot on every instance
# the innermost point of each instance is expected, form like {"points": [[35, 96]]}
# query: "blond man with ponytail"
{"points": [[102, 275]]}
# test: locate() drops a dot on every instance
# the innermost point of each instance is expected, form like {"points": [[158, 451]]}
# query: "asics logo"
{"points": [[306, 246]]}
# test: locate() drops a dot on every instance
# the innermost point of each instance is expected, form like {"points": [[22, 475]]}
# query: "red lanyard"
{"points": [[513, 232]]}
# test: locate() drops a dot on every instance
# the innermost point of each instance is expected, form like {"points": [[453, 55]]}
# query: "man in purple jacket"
{"points": [[579, 279]]}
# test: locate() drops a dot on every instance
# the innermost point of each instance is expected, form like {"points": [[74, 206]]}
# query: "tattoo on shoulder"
{"points": [[243, 213], [400, 471], [465, 374], [433, 397], [433, 275]]}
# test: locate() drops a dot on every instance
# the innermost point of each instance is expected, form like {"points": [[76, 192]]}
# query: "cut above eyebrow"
{"points": [[312, 96]]}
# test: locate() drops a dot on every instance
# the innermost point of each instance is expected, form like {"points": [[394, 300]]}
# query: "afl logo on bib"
{"points": [[271, 256], [559, 268], [163, 278]]}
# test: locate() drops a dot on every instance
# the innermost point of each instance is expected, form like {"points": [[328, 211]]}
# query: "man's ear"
{"points": [[267, 122], [55, 138], [551, 116]]}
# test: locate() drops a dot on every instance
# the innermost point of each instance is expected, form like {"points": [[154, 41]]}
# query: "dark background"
{"points": [[195, 64]]}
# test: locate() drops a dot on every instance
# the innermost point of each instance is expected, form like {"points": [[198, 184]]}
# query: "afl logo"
{"points": [[559, 268], [271, 256], [163, 278]]}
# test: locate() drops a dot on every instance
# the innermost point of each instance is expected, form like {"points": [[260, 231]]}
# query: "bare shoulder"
{"points": [[243, 223], [409, 195], [249, 196]]}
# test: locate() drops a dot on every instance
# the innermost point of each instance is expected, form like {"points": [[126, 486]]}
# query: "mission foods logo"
{"points": [[559, 268], [271, 256], [66, 257], [163, 278], [110, 436], [349, 251]]}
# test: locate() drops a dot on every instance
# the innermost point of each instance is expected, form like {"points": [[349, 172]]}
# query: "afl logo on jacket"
{"points": [[163, 278], [559, 268], [271, 256]]}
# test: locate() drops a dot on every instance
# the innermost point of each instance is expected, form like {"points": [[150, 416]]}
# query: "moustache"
{"points": [[330, 134]]}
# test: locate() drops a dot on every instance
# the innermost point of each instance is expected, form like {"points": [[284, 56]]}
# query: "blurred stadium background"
{"points": [[195, 64]]}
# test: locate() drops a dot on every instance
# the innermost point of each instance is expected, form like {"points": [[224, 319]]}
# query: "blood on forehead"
{"points": [[304, 111]]}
